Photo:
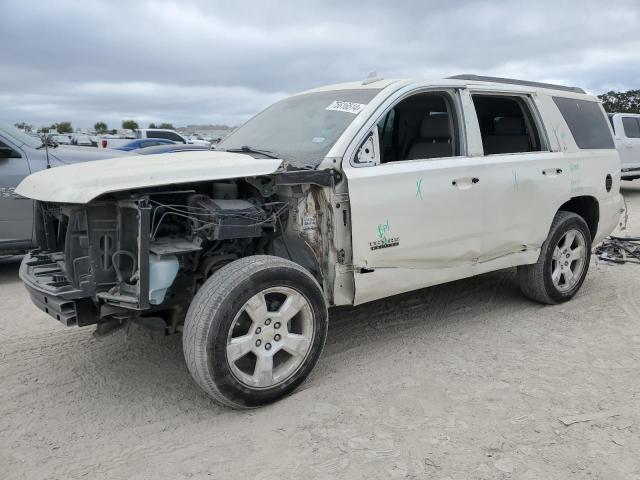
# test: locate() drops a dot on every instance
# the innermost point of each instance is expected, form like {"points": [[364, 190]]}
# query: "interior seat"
{"points": [[434, 140], [509, 136]]}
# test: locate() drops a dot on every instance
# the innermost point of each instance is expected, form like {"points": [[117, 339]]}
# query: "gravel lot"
{"points": [[461, 381]]}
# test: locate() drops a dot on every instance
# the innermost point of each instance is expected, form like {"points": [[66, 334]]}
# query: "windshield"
{"points": [[19, 137], [303, 128]]}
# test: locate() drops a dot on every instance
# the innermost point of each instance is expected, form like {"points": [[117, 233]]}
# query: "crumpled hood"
{"points": [[83, 182]]}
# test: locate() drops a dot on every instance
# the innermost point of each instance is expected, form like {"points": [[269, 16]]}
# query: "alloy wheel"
{"points": [[270, 337], [568, 260]]}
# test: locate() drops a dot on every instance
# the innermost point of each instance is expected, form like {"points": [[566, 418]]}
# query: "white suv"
{"points": [[627, 138], [336, 196]]}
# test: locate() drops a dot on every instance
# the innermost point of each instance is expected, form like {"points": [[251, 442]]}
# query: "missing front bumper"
{"points": [[44, 279]]}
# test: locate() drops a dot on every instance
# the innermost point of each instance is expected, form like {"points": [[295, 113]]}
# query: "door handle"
{"points": [[552, 172], [464, 183]]}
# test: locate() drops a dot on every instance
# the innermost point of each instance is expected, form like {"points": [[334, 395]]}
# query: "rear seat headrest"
{"points": [[435, 126], [508, 126]]}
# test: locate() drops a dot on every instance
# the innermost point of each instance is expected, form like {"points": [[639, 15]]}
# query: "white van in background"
{"points": [[626, 127]]}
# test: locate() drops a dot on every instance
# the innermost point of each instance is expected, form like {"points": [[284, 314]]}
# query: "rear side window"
{"points": [[631, 127], [506, 124], [586, 121]]}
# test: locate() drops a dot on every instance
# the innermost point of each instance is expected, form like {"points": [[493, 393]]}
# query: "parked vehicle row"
{"points": [[152, 134], [83, 140], [79, 139], [336, 196], [61, 138]]}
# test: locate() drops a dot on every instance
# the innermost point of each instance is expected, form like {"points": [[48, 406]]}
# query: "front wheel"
{"points": [[255, 330], [563, 262]]}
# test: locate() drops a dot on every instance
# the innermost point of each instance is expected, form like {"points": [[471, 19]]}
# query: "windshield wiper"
{"points": [[247, 149]]}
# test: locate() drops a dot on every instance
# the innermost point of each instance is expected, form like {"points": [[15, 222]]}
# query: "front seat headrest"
{"points": [[435, 126]]}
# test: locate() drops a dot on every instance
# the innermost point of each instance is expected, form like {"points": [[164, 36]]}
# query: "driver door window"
{"points": [[422, 126]]}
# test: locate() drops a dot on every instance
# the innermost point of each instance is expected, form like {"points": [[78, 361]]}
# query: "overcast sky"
{"points": [[207, 62]]}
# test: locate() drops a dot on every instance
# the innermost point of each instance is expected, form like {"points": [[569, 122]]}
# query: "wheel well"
{"points": [[294, 248], [588, 208]]}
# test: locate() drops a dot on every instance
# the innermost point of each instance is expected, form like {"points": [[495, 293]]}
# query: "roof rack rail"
{"points": [[481, 78]]}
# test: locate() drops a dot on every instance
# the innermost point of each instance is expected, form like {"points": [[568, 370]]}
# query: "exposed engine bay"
{"points": [[144, 254]]}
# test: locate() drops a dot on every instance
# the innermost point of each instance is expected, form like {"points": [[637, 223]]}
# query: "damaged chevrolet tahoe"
{"points": [[336, 196]]}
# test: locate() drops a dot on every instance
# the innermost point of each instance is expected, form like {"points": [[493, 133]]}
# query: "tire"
{"points": [[243, 301], [537, 280]]}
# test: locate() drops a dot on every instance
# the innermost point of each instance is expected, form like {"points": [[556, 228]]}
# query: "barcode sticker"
{"points": [[348, 107]]}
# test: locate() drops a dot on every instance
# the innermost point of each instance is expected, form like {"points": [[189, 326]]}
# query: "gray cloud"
{"points": [[211, 62]]}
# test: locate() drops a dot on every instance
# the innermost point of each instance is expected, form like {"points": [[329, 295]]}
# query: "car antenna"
{"points": [[45, 140]]}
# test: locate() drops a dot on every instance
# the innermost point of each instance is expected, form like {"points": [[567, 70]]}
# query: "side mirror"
{"points": [[6, 152], [368, 153]]}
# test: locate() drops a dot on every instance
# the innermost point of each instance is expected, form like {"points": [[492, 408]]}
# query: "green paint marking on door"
{"points": [[419, 189], [383, 228]]}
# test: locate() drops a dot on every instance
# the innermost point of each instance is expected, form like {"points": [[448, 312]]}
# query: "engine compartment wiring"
{"points": [[202, 218]]}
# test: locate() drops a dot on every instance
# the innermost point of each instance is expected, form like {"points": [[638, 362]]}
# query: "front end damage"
{"points": [[93, 260], [143, 255]]}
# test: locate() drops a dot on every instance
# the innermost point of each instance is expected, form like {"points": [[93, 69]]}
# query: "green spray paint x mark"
{"points": [[419, 188]]}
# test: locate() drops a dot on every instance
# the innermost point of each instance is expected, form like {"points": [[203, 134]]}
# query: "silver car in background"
{"points": [[20, 155]]}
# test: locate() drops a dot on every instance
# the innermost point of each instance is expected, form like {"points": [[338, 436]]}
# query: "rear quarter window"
{"points": [[586, 121], [631, 127]]}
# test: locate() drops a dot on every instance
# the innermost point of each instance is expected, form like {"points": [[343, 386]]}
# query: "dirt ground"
{"points": [[462, 381]]}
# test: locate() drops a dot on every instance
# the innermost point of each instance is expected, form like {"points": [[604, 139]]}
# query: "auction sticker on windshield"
{"points": [[348, 107]]}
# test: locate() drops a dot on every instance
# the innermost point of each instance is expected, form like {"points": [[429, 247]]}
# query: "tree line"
{"points": [[621, 102], [99, 127]]}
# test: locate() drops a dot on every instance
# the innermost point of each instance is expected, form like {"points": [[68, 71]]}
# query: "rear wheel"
{"points": [[255, 330], [563, 262]]}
